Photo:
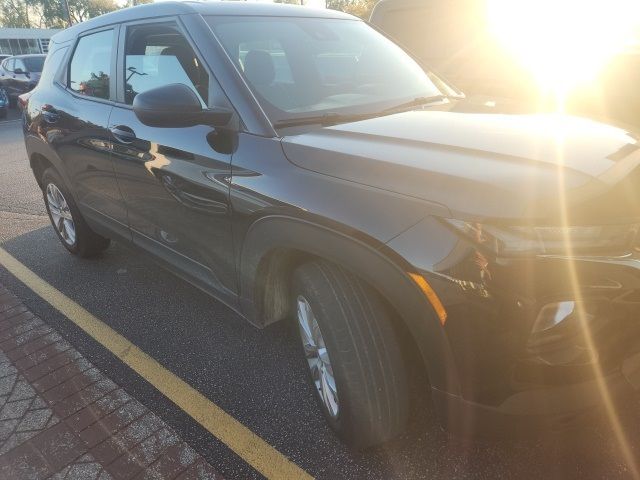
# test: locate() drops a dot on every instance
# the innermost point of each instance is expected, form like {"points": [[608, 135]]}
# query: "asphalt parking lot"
{"points": [[255, 376]]}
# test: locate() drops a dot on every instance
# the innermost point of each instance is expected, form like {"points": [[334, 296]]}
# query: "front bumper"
{"points": [[546, 409], [497, 364], [507, 381]]}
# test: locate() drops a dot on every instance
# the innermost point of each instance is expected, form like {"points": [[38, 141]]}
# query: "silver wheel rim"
{"points": [[317, 357], [61, 214]]}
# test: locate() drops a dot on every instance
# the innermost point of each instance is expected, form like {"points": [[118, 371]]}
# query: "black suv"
{"points": [[20, 74], [296, 164]]}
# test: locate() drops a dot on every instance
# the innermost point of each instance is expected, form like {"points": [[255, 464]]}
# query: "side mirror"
{"points": [[19, 71], [175, 106]]}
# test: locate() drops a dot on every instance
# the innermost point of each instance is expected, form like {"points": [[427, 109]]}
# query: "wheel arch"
{"points": [[42, 157], [39, 163], [275, 245]]}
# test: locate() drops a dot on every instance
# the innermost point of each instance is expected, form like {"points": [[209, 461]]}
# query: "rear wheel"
{"points": [[68, 223], [352, 353]]}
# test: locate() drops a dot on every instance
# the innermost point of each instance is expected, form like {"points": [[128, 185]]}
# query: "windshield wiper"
{"points": [[333, 118], [330, 118], [416, 102]]}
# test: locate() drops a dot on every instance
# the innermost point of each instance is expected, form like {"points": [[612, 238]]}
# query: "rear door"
{"points": [[175, 181], [75, 119]]}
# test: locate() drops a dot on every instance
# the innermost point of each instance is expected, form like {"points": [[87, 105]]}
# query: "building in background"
{"points": [[20, 41]]}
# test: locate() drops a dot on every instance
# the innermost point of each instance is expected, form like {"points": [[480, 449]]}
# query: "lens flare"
{"points": [[585, 326], [564, 43]]}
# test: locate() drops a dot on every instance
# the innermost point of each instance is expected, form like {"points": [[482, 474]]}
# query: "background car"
{"points": [[20, 74], [452, 38], [300, 167], [4, 103]]}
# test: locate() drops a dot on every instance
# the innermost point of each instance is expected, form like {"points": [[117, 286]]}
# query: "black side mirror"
{"points": [[174, 106], [19, 71]]}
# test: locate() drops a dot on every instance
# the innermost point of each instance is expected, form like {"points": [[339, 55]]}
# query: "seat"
{"points": [[260, 72], [187, 60]]}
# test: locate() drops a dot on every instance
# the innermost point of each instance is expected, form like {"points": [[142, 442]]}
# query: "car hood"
{"points": [[481, 165]]}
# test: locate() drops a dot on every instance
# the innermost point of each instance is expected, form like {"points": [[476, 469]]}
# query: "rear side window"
{"points": [[90, 70], [34, 64]]}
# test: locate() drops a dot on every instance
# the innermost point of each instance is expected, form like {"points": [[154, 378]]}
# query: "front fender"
{"points": [[364, 257]]}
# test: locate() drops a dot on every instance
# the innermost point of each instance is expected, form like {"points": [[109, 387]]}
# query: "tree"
{"points": [[14, 14], [51, 13], [82, 10], [360, 8], [133, 3]]}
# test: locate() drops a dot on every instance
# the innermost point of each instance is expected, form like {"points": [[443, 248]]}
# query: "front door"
{"points": [[174, 180], [20, 79], [6, 76]]}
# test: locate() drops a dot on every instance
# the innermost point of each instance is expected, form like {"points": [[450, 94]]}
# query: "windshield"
{"points": [[34, 64], [299, 67]]}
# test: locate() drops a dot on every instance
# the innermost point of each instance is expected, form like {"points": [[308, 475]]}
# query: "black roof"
{"points": [[162, 9]]}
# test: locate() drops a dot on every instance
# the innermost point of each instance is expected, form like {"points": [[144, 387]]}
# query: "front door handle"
{"points": [[123, 134]]}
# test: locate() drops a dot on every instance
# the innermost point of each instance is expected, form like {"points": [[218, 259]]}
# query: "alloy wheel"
{"points": [[317, 357], [61, 214]]}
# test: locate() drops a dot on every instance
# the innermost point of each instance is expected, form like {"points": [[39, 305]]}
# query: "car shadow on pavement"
{"points": [[258, 377]]}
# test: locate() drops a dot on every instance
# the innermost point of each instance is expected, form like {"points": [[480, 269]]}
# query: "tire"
{"points": [[79, 239], [365, 358]]}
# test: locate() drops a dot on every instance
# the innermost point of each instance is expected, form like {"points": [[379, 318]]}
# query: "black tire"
{"points": [[87, 242], [364, 352]]}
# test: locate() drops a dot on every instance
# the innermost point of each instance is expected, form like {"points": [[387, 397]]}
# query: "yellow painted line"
{"points": [[253, 450]]}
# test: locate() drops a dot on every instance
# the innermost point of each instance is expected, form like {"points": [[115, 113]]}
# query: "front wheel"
{"points": [[351, 349], [67, 221]]}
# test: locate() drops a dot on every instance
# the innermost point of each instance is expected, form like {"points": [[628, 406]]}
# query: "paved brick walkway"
{"points": [[61, 418]]}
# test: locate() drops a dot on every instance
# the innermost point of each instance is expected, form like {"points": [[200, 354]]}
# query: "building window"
{"points": [[15, 46]]}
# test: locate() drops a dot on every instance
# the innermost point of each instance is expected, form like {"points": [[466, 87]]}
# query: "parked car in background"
{"points": [[20, 74], [4, 103], [299, 166], [453, 38]]}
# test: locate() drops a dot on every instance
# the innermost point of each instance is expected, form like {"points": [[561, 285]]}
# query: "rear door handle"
{"points": [[123, 134]]}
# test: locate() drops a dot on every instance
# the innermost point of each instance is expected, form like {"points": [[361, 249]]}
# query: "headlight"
{"points": [[564, 240]]}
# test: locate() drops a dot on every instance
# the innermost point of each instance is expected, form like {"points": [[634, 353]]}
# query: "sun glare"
{"points": [[564, 43]]}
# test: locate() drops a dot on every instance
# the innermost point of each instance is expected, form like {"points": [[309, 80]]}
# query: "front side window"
{"points": [[299, 67], [158, 55], [90, 70], [19, 66], [8, 64]]}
